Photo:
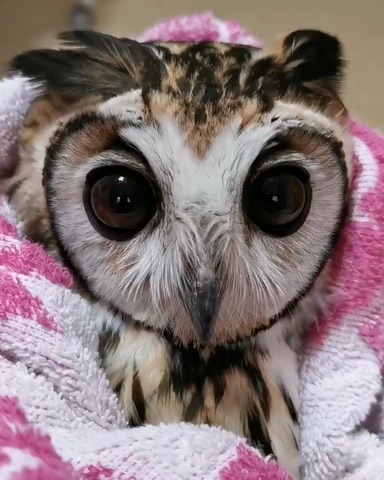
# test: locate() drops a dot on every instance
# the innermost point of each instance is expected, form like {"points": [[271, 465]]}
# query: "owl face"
{"points": [[196, 188]]}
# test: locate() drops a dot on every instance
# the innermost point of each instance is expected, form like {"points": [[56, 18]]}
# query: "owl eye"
{"points": [[278, 200], [119, 202]]}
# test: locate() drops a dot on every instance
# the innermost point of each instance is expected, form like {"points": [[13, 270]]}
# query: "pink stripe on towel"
{"points": [[31, 259], [16, 300], [247, 463], [7, 228], [26, 453]]}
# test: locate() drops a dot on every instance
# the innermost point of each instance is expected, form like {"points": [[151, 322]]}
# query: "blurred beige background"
{"points": [[359, 24]]}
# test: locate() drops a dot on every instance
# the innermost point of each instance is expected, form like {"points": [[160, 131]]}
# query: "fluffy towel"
{"points": [[60, 420]]}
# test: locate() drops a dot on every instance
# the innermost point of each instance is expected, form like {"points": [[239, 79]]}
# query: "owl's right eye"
{"points": [[119, 202]]}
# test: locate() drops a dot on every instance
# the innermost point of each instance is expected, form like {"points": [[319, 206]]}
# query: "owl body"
{"points": [[197, 190]]}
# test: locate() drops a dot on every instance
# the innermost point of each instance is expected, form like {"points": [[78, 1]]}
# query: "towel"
{"points": [[59, 419]]}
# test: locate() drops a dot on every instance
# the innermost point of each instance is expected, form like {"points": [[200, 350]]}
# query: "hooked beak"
{"points": [[205, 308]]}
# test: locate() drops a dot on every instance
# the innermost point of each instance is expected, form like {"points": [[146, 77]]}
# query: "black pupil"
{"points": [[123, 202], [276, 200], [283, 196], [122, 197]]}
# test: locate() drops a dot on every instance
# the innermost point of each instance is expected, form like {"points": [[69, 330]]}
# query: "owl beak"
{"points": [[204, 314]]}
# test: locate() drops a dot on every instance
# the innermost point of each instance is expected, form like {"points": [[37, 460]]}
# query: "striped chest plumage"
{"points": [[249, 387]]}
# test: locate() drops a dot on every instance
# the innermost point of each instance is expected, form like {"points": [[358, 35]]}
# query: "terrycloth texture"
{"points": [[58, 417], [342, 375]]}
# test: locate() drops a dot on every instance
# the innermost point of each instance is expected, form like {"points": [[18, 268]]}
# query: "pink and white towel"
{"points": [[60, 420]]}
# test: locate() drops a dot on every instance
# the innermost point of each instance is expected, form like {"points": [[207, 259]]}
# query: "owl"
{"points": [[197, 191]]}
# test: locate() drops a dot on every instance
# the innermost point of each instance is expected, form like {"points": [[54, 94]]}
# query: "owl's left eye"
{"points": [[278, 200], [119, 202]]}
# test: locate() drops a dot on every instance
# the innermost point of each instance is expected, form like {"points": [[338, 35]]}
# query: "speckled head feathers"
{"points": [[202, 84]]}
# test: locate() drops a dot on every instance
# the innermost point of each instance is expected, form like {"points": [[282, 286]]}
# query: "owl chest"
{"points": [[241, 388], [230, 399]]}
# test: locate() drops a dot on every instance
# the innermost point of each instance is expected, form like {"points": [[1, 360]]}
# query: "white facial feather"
{"points": [[203, 222]]}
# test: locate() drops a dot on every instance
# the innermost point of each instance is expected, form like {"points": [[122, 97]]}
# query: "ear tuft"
{"points": [[312, 56], [89, 64]]}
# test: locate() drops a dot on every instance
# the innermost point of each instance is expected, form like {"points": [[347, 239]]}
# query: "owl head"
{"points": [[198, 189]]}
